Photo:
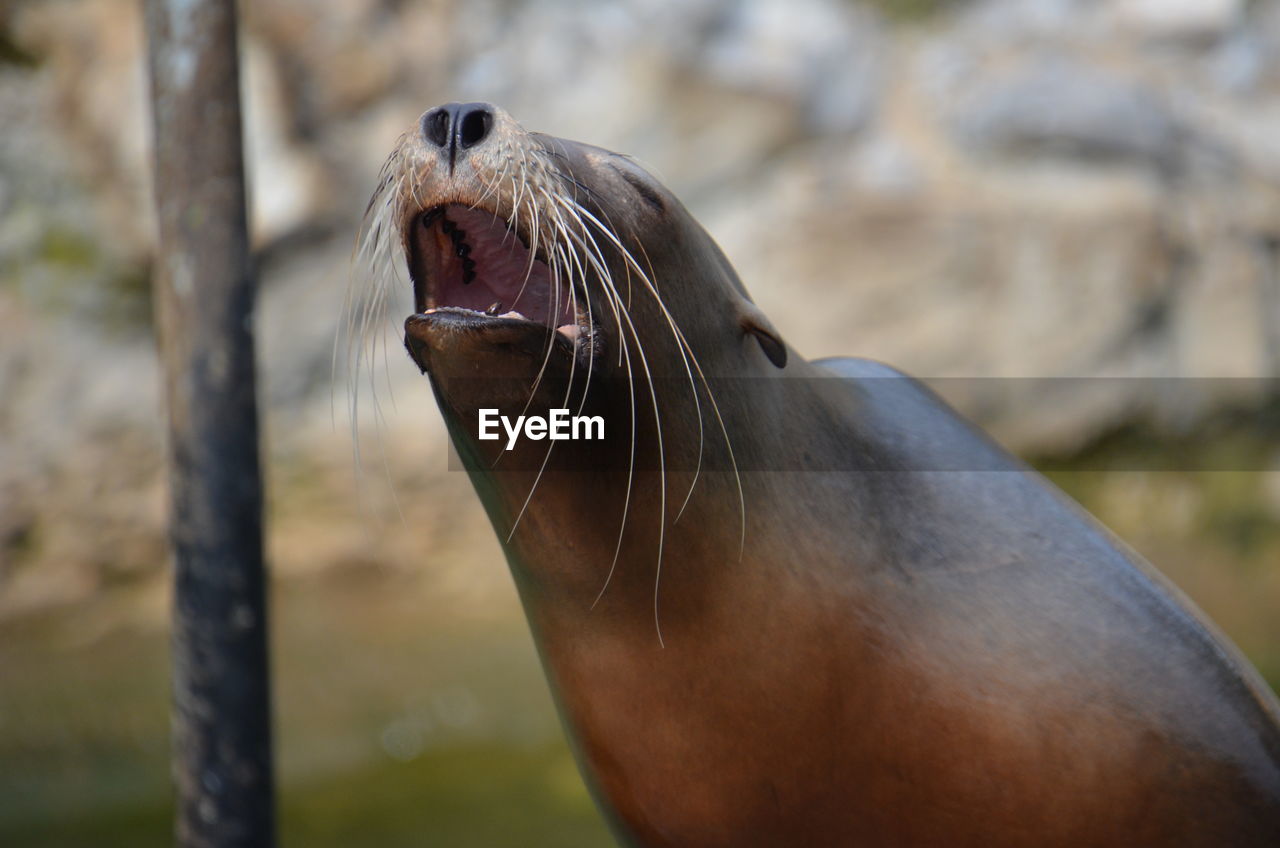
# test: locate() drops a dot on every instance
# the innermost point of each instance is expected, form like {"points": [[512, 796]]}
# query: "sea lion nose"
{"points": [[457, 126]]}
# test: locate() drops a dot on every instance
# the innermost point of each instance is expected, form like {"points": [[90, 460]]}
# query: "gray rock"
{"points": [[1058, 107], [824, 56], [1179, 19]]}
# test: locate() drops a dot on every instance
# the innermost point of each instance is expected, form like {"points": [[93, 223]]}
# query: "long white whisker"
{"points": [[692, 358]]}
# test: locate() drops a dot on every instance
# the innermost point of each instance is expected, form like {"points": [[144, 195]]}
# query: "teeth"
{"points": [[457, 244]]}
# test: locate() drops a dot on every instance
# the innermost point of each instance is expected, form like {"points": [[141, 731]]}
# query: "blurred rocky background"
{"points": [[1010, 189]]}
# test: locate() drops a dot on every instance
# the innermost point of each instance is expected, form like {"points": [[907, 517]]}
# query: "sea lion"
{"points": [[787, 602]]}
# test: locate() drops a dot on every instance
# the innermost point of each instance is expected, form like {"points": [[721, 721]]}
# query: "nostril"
{"points": [[457, 126], [474, 126], [435, 127]]}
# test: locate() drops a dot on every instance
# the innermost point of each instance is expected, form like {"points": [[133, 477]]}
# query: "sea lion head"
{"points": [[549, 274], [539, 260]]}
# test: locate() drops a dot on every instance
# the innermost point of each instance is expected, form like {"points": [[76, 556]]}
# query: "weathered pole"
{"points": [[204, 294]]}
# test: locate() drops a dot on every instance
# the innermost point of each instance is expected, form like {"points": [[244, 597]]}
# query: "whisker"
{"points": [[566, 222], [690, 359]]}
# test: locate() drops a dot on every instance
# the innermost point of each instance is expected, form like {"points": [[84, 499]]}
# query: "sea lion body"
{"points": [[803, 605]]}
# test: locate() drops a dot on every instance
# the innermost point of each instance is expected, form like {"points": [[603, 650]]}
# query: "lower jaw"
{"points": [[513, 367], [451, 341], [572, 332]]}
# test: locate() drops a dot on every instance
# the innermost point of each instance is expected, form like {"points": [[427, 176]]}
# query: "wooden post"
{"points": [[204, 288]]}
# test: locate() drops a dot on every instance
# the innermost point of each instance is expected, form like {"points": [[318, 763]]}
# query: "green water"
{"points": [[398, 723], [464, 796], [411, 714]]}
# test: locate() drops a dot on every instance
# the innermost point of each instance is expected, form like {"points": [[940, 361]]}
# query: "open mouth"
{"points": [[473, 265]]}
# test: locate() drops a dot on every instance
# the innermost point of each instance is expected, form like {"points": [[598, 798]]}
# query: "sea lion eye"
{"points": [[642, 188]]}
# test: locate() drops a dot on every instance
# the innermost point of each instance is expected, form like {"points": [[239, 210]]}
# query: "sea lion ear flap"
{"points": [[754, 322]]}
